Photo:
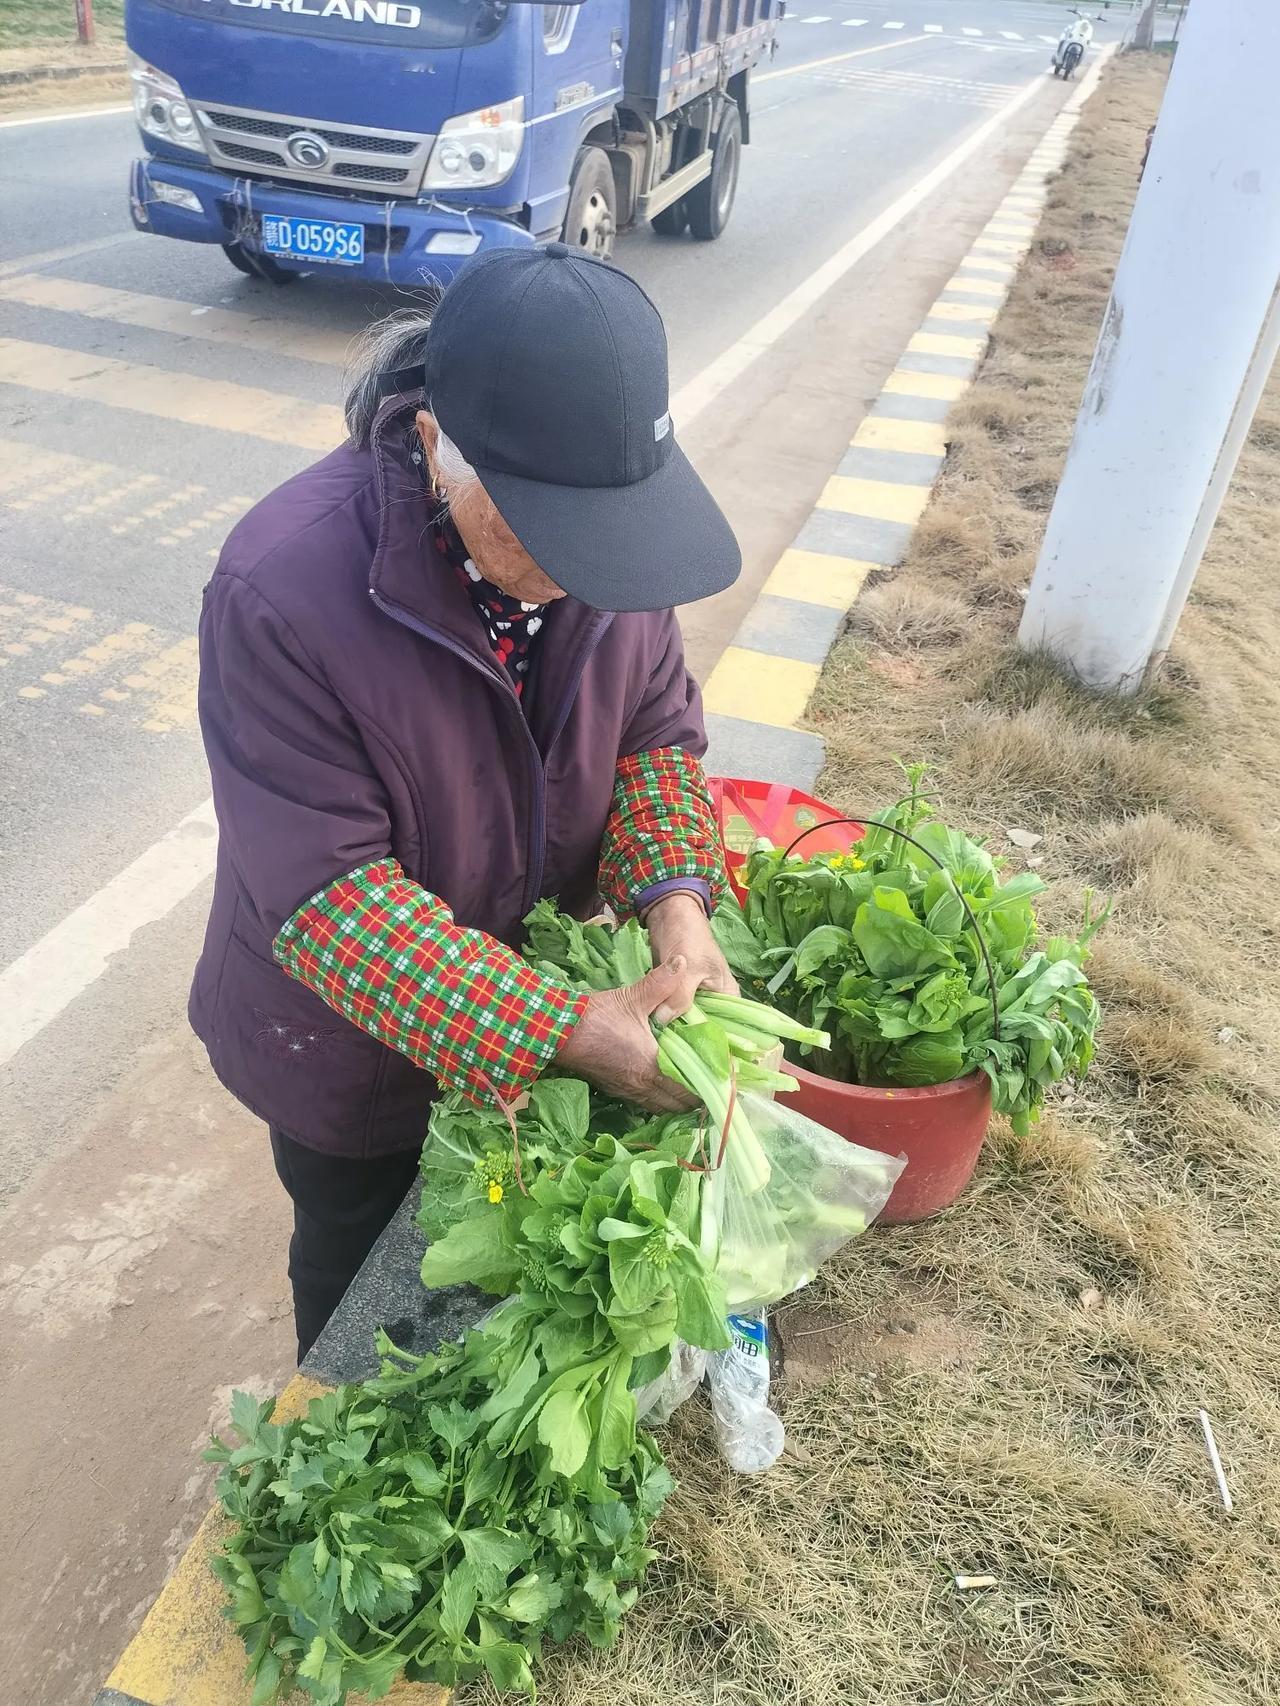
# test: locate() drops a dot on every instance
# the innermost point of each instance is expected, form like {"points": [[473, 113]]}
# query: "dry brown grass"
{"points": [[1118, 1268]]}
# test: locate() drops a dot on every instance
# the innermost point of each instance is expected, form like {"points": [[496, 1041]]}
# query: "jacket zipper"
{"points": [[537, 839]]}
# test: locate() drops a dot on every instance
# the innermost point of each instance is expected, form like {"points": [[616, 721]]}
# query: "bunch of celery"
{"points": [[715, 1050]]}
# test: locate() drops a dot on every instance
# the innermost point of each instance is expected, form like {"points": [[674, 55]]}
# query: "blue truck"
{"points": [[393, 139]]}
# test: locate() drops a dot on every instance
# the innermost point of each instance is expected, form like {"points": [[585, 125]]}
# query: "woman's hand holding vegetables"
{"points": [[613, 1044], [680, 930]]}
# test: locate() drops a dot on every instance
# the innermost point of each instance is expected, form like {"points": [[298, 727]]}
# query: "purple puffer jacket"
{"points": [[351, 708]]}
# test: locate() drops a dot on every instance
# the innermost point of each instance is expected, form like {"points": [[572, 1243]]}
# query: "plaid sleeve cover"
{"points": [[387, 955], [662, 829]]}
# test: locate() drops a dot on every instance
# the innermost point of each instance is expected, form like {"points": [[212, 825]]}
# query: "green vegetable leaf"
{"points": [[892, 940], [458, 1602], [473, 1252], [453, 1424], [492, 1554], [823, 944], [702, 1308], [531, 1599], [562, 1427], [561, 1106]]}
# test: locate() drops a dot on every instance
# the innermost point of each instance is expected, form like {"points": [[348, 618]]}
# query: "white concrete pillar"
{"points": [[1187, 342]]}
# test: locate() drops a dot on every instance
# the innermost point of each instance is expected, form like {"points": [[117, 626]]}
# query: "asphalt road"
{"points": [[120, 475]]}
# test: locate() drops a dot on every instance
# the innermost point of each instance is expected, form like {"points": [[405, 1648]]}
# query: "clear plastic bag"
{"points": [[749, 1434], [777, 1222], [657, 1402]]}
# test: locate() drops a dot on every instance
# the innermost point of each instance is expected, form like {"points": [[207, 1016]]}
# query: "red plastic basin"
{"points": [[939, 1129]]}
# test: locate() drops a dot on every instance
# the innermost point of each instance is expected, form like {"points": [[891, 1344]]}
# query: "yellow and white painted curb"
{"points": [[757, 694]]}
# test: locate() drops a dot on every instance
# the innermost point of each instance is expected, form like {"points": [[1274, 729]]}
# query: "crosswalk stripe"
{"points": [[895, 26], [147, 390], [182, 319], [1011, 35], [854, 23], [970, 32], [1052, 40], [818, 20], [933, 29]]}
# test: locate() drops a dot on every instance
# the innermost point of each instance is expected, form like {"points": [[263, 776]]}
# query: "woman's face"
{"points": [[490, 543]]}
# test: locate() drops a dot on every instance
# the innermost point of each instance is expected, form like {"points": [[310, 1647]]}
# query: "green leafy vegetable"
{"points": [[399, 1528], [877, 948]]}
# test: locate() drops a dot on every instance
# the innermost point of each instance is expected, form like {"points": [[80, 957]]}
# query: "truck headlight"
{"points": [[477, 149], [161, 108]]}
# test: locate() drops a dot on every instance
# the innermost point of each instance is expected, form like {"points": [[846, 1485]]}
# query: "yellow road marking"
{"points": [[944, 386], [883, 500], [124, 491], [147, 390], [883, 432], [986, 265], [946, 343], [998, 246], [180, 319], [978, 286], [760, 688], [816, 577], [219, 516], [944, 310]]}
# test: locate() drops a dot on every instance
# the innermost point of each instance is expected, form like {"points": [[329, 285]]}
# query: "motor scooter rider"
{"points": [[1079, 29]]}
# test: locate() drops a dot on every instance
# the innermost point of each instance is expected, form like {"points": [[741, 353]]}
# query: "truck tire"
{"points": [[257, 266], [590, 220], [673, 221], [711, 202]]}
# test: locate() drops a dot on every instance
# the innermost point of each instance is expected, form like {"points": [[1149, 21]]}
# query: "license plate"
{"points": [[323, 240]]}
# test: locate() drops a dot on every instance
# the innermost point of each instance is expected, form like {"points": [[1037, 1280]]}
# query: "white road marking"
{"points": [[76, 952], [837, 58], [53, 972], [71, 252], [895, 26], [970, 32], [818, 20], [854, 23], [1011, 35], [61, 118], [1052, 40], [933, 29]]}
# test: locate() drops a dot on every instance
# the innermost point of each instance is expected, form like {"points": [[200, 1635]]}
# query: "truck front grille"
{"points": [[239, 137], [368, 174], [348, 139], [252, 156]]}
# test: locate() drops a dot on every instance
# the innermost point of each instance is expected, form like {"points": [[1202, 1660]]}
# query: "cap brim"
{"points": [[659, 542]]}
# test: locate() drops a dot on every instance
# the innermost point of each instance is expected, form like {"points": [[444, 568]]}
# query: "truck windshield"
{"points": [[403, 23]]}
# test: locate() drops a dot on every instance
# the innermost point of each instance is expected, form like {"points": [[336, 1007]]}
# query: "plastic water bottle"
{"points": [[748, 1433]]}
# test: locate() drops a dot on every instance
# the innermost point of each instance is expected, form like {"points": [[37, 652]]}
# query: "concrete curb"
{"points": [[61, 73], [757, 694]]}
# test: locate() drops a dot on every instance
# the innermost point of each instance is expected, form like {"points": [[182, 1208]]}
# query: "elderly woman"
{"points": [[440, 677]]}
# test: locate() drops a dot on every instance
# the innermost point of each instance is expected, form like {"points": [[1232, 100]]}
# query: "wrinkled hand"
{"points": [[680, 930], [614, 1047]]}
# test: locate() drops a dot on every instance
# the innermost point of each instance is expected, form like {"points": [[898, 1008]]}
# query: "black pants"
{"points": [[339, 1208]]}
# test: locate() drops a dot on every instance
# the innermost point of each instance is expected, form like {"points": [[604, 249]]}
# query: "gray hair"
{"points": [[398, 341]]}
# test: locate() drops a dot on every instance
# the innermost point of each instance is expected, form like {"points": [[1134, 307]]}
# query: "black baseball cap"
{"points": [[548, 370]]}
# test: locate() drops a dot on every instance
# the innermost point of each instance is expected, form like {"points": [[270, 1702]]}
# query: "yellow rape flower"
{"points": [[495, 1191]]}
